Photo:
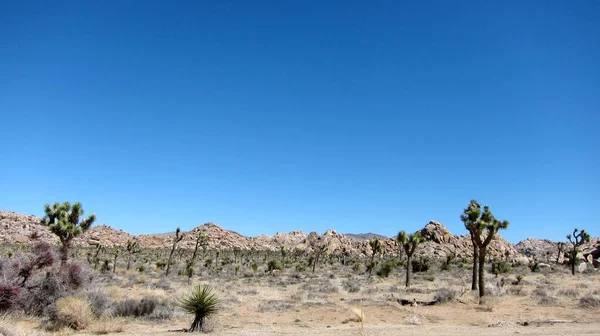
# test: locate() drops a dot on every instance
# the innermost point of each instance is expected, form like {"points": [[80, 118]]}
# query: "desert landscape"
{"points": [[293, 284]]}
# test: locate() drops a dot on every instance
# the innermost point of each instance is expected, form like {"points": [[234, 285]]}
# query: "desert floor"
{"points": [[328, 303]]}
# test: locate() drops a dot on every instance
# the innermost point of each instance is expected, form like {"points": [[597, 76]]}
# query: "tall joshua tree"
{"points": [[201, 240], [561, 247], [482, 232], [319, 251], [470, 217], [376, 248], [178, 237], [64, 221], [116, 251], [409, 243], [132, 247], [577, 239]]}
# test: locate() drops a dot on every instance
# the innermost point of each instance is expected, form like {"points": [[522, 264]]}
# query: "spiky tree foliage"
{"points": [[470, 218], [202, 302], [132, 247], [577, 239], [64, 221], [376, 248], [409, 243], [482, 232], [178, 237]]}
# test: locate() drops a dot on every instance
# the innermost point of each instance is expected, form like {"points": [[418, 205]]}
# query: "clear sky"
{"points": [[264, 117]]}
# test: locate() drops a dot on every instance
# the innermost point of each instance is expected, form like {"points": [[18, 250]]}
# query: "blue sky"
{"points": [[267, 117]]}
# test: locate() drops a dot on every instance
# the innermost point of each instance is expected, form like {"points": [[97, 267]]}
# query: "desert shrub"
{"points": [[449, 260], [570, 292], [98, 300], [274, 265], [8, 297], [135, 308], [544, 297], [500, 267], [386, 268], [254, 267], [445, 294], [73, 312], [351, 286], [420, 265], [516, 290], [276, 305], [590, 301]]}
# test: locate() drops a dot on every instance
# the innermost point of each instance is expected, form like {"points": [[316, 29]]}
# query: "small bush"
{"points": [[98, 300], [570, 292], [387, 268], [73, 312], [135, 308], [445, 294], [420, 265], [590, 301], [8, 297], [274, 265], [500, 267]]}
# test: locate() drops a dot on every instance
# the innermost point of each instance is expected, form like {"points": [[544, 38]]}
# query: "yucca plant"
{"points": [[202, 302]]}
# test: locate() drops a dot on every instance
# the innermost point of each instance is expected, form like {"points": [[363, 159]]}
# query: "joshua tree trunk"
{"points": [[115, 263], [573, 260], [197, 324], [129, 262], [408, 268], [481, 272], [475, 266], [64, 252]]}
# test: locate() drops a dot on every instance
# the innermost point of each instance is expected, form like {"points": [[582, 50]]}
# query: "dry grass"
{"points": [[301, 303], [73, 312]]}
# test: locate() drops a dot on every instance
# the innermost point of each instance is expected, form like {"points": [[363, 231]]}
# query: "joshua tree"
{"points": [[482, 232], [97, 255], [471, 218], [561, 248], [376, 247], [409, 242], [201, 240], [132, 248], [578, 238], [202, 302], [116, 251], [318, 253], [63, 221], [283, 253], [176, 240]]}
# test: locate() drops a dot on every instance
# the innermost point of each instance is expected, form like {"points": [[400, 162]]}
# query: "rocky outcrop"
{"points": [[18, 228], [547, 250], [439, 241]]}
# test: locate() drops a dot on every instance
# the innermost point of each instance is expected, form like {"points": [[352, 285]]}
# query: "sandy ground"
{"points": [[286, 305]]}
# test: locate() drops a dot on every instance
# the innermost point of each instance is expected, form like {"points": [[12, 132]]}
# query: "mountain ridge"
{"points": [[439, 241]]}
